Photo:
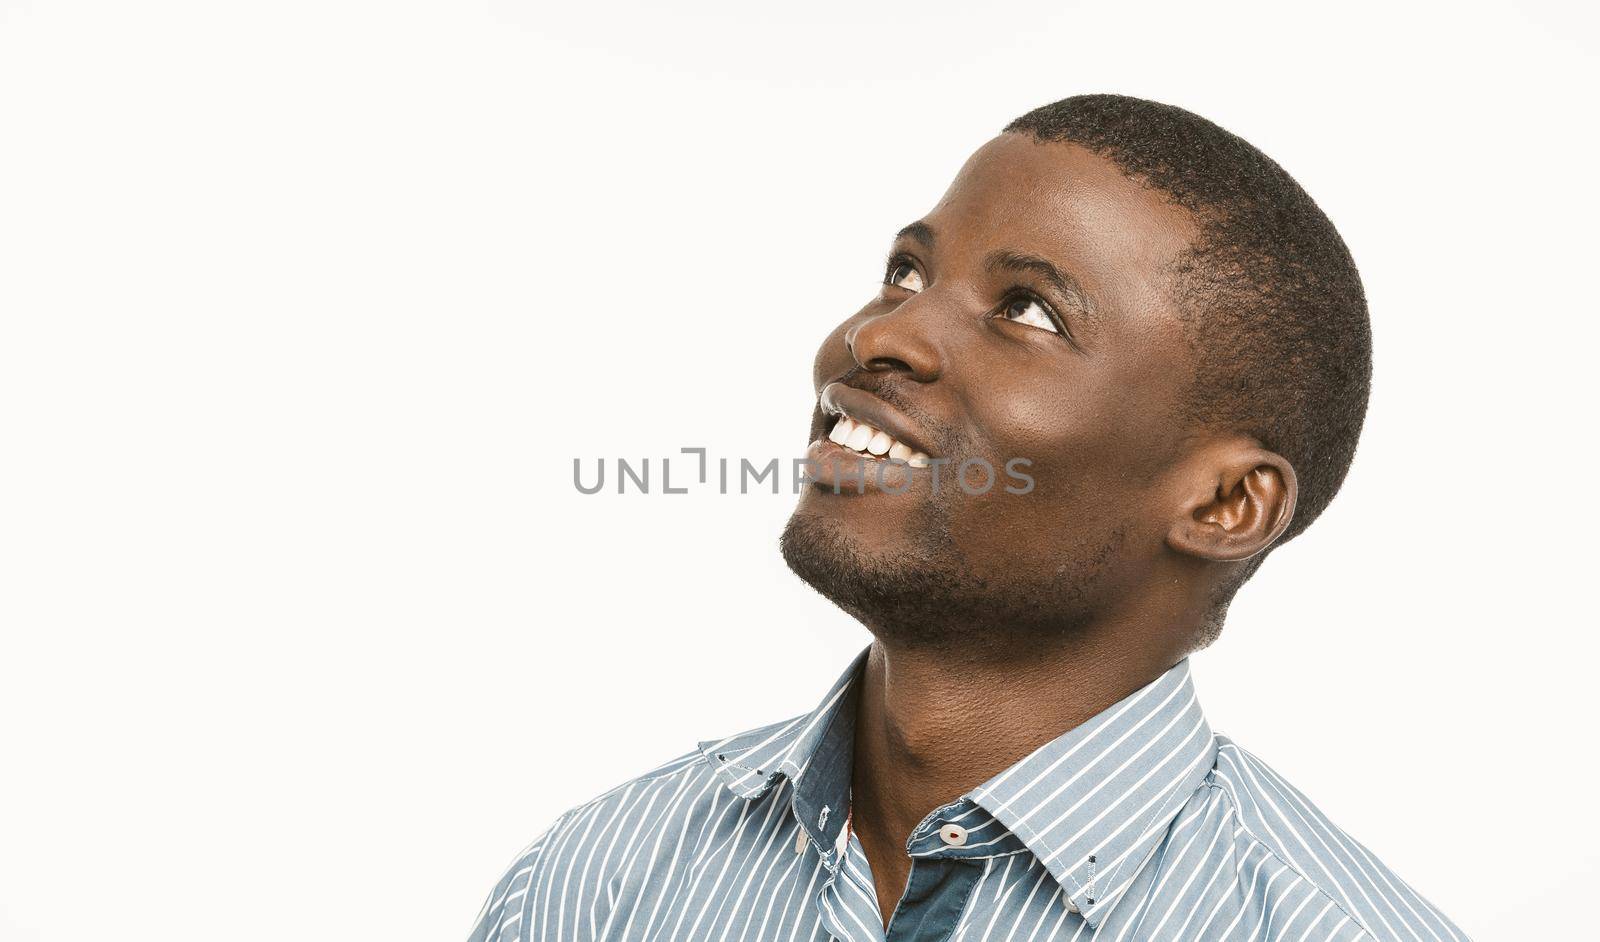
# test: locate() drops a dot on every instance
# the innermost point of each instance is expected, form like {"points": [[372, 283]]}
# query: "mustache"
{"points": [[885, 386]]}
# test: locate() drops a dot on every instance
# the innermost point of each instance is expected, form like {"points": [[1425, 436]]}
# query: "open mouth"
{"points": [[870, 442]]}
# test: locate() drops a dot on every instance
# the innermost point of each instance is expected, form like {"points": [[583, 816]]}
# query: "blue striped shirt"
{"points": [[1138, 824]]}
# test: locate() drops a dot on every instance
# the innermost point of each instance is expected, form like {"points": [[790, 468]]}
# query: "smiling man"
{"points": [[1151, 322]]}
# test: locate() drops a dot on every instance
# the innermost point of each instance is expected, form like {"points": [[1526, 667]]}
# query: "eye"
{"points": [[902, 274], [1031, 311]]}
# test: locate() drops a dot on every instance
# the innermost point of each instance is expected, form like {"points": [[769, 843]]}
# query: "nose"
{"points": [[901, 340]]}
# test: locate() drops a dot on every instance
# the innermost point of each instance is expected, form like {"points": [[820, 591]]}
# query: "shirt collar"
{"points": [[819, 743], [1095, 802], [1092, 804]]}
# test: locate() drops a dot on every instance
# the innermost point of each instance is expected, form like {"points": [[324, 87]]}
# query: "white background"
{"points": [[308, 306]]}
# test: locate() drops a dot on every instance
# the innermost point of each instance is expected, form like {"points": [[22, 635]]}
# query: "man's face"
{"points": [[1025, 317]]}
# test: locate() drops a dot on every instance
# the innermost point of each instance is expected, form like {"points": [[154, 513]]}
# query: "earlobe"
{"points": [[1238, 507]]}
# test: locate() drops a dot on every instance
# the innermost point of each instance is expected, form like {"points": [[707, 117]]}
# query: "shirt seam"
{"points": [[1238, 819], [995, 856]]}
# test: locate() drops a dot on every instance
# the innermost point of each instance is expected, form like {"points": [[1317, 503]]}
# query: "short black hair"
{"points": [[1269, 293]]}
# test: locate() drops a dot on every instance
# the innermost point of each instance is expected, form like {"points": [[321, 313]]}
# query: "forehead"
{"points": [[1064, 202]]}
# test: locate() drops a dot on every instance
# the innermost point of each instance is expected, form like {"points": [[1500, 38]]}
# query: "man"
{"points": [[1172, 337]]}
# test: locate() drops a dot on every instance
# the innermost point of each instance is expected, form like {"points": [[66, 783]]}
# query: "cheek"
{"points": [[1052, 422], [1081, 490], [1095, 435], [1018, 423]]}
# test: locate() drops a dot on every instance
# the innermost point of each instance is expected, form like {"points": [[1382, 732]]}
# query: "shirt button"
{"points": [[953, 834]]}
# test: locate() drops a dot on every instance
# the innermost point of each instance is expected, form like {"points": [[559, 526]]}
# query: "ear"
{"points": [[1239, 500]]}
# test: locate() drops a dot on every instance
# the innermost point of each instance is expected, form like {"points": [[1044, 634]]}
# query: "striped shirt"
{"points": [[1138, 824]]}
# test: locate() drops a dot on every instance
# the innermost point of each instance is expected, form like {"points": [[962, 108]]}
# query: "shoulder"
{"points": [[603, 854], [1305, 851], [563, 873]]}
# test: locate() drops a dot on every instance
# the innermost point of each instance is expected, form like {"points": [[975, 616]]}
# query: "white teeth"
{"points": [[859, 436], [841, 430]]}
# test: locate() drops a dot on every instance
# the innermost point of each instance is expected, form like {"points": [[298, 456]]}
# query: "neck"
{"points": [[930, 725]]}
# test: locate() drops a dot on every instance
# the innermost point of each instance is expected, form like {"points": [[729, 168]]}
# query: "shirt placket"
{"points": [[941, 881], [849, 909], [936, 892]]}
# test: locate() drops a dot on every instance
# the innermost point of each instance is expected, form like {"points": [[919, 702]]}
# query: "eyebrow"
{"points": [[918, 231], [1021, 262], [1006, 260]]}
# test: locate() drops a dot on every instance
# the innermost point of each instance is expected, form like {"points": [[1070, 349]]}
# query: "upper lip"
{"points": [[862, 406]]}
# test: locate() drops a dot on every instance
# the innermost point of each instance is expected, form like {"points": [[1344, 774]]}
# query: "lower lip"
{"points": [[839, 470]]}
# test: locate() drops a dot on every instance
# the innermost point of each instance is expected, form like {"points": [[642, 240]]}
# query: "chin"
{"points": [[927, 595], [828, 556], [912, 597]]}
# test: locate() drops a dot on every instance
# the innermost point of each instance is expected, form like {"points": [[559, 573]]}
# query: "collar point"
{"points": [[742, 781]]}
